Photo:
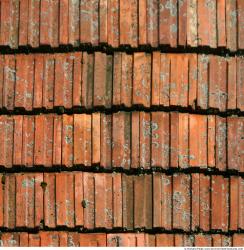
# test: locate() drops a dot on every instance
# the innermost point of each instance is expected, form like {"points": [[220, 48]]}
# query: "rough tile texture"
{"points": [[122, 123]]}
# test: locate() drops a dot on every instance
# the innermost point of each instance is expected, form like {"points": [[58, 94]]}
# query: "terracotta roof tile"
{"points": [[116, 23], [106, 140], [61, 238], [185, 202], [220, 201], [121, 123], [82, 80]]}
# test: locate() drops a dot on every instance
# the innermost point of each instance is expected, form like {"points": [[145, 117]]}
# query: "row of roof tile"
{"points": [[118, 22], [88, 81], [187, 202], [70, 239], [127, 140]]}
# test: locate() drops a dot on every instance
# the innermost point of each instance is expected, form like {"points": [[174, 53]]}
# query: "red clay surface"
{"points": [[63, 239], [122, 123], [92, 80], [127, 140], [115, 23], [187, 202]]}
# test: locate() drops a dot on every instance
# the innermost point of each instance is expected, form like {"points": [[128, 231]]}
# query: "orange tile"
{"points": [[9, 219], [162, 201], [28, 141], [48, 82], [5, 20], [23, 22], [103, 23], [221, 147], [106, 141], [152, 26], [128, 201], [121, 140], [174, 139], [63, 21], [156, 75], [203, 81], [211, 141], [33, 24], [207, 23], [238, 240], [128, 23], [192, 23], [240, 20], [164, 87], [142, 10], [164, 240], [203, 240], [145, 140], [82, 139], [193, 80], [87, 80], [141, 79], [88, 203], [181, 202], [183, 140], [57, 140], [9, 82], [103, 80], [64, 199], [78, 196], [67, 140], [231, 24], [17, 140], [92, 240], [113, 22], [74, 22], [135, 139], [49, 209], [221, 23], [143, 202], [182, 16], [24, 82], [219, 198], [29, 200], [160, 140], [232, 83], [239, 84], [198, 141], [76, 83], [38, 81]]}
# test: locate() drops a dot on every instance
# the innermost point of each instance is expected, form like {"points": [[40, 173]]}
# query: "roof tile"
{"points": [[109, 201], [105, 140], [162, 201], [220, 200], [114, 23], [97, 80]]}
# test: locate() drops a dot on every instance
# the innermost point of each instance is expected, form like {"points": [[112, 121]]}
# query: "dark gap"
{"points": [[119, 230], [122, 48], [59, 110], [95, 168]]}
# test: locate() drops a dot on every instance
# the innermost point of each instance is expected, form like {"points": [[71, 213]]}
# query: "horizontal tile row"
{"points": [[46, 81], [70, 239], [187, 202], [127, 140], [117, 22]]}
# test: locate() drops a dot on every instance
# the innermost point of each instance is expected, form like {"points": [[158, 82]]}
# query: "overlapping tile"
{"points": [[116, 23], [186, 202], [125, 140], [84, 80], [70, 239], [120, 136]]}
